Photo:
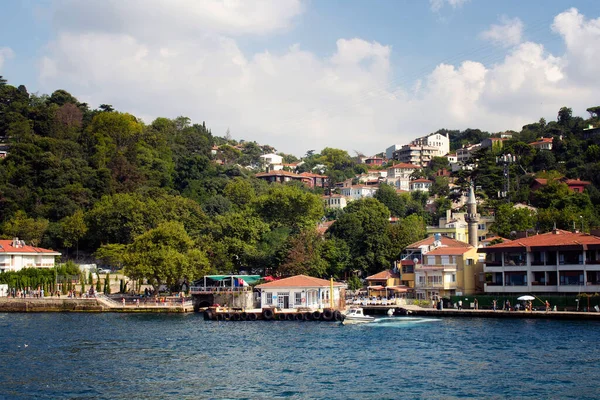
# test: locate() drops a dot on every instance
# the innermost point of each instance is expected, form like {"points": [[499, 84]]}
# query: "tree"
{"points": [[289, 206], [364, 227], [111, 254], [354, 283], [510, 219], [564, 116], [107, 284], [386, 194], [25, 228], [73, 229], [165, 255], [406, 231], [304, 256], [2, 81], [594, 111], [239, 192]]}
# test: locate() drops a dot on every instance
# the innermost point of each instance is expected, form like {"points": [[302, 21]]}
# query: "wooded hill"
{"points": [[99, 183]]}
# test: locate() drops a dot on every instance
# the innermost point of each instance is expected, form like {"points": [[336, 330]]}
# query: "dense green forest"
{"points": [[161, 200]]}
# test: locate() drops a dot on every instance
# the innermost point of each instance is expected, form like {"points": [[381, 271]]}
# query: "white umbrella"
{"points": [[525, 298]]}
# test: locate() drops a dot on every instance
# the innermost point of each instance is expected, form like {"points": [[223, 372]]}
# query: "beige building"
{"points": [[439, 267]]}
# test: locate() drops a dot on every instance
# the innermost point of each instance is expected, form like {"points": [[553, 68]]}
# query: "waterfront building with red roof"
{"points": [[301, 291], [555, 262], [15, 255]]}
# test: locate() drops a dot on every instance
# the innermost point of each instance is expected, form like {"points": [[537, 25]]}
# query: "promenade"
{"points": [[471, 313]]}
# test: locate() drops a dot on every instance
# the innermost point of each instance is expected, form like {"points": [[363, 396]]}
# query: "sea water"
{"points": [[141, 356]]}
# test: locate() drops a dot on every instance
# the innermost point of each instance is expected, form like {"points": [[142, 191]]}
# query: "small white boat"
{"points": [[356, 316]]}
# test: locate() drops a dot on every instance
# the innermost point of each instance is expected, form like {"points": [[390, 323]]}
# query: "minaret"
{"points": [[472, 217]]}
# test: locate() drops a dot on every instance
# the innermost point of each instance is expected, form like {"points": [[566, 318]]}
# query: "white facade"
{"points": [[358, 192], [335, 201], [16, 255], [440, 142], [422, 185], [272, 159], [300, 292]]}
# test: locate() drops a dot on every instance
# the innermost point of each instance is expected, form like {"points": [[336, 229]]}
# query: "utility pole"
{"points": [[506, 160]]}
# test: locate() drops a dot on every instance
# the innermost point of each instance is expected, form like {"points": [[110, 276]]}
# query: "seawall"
{"points": [[22, 305]]}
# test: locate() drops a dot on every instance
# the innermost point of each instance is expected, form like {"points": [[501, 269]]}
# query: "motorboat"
{"points": [[356, 316]]}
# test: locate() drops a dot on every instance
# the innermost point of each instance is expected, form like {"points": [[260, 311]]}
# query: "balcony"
{"points": [[436, 267]]}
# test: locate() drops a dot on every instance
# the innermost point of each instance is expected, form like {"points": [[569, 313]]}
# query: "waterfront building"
{"points": [[441, 267], [301, 291], [386, 283], [555, 262], [15, 255]]}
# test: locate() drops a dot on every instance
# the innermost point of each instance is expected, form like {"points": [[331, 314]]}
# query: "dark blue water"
{"points": [[129, 356]]}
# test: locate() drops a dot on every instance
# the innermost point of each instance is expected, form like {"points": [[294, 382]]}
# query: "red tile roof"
{"points": [[421, 180], [558, 238], [446, 241], [449, 251], [405, 165], [542, 140], [6, 246], [383, 275], [298, 281]]}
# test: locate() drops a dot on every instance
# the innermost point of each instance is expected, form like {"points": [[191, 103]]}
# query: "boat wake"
{"points": [[401, 322]]}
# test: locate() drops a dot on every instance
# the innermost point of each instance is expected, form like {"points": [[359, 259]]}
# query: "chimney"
{"points": [[16, 243]]}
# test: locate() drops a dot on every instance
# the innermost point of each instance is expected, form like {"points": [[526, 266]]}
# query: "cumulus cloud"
{"points": [[507, 34], [297, 100], [437, 5], [5, 54], [581, 37]]}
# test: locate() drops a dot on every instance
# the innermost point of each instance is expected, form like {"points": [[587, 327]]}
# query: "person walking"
{"points": [[547, 306], [460, 304], [476, 304], [494, 304]]}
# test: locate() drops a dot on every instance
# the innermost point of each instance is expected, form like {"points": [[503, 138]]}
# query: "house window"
{"points": [[269, 298], [297, 299], [453, 278]]}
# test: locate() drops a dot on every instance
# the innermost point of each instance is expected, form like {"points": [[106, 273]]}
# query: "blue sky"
{"points": [[303, 75]]}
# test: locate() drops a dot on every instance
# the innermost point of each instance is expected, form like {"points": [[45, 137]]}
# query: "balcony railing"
{"points": [[218, 289], [447, 286]]}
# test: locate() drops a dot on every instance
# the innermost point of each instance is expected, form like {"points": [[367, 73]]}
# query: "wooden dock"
{"points": [[268, 314]]}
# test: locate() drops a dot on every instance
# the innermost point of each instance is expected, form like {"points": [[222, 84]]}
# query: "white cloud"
{"points": [[582, 38], [507, 34], [437, 5], [296, 100], [5, 54], [156, 19]]}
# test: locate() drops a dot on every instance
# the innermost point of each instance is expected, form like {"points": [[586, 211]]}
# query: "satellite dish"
{"points": [[416, 260]]}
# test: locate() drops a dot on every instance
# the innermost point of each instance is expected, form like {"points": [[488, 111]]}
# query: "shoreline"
{"points": [[90, 305], [469, 313]]}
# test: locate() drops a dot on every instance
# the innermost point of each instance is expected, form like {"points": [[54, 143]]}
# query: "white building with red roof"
{"points": [[16, 255], [300, 291], [555, 262]]}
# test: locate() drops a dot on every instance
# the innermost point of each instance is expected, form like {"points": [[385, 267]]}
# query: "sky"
{"points": [[303, 75]]}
